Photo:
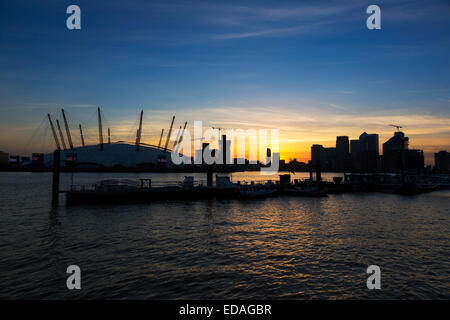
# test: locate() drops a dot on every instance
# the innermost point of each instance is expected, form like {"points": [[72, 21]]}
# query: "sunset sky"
{"points": [[308, 68]]}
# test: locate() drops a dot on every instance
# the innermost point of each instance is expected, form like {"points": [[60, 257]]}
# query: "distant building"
{"points": [[370, 142], [355, 146], [398, 156], [4, 158], [326, 156], [343, 159], [365, 152], [14, 160], [333, 158], [396, 143], [364, 155], [342, 147], [329, 159], [442, 161], [316, 153], [282, 165], [392, 150], [294, 165], [414, 160], [37, 159]]}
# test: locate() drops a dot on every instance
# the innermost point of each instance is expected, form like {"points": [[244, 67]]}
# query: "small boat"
{"points": [[116, 185], [307, 191], [188, 182], [225, 188], [252, 191], [426, 187], [224, 183], [406, 189]]}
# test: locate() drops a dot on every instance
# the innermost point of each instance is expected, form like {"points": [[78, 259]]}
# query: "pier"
{"points": [[123, 190]]}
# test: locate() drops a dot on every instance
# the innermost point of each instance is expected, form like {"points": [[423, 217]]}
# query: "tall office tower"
{"points": [[342, 147], [316, 153], [343, 160]]}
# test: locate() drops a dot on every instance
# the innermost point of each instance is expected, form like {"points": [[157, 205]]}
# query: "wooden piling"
{"points": [[55, 182], [318, 174], [209, 176]]}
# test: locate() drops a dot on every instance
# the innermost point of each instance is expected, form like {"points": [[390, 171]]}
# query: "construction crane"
{"points": [[395, 126]]}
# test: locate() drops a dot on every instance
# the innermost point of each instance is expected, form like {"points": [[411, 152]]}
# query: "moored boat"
{"points": [[256, 191], [307, 191]]}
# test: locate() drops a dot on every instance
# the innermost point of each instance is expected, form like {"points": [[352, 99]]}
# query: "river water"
{"points": [[275, 248]]}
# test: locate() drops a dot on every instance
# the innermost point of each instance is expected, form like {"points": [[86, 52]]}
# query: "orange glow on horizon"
{"points": [[298, 129]]}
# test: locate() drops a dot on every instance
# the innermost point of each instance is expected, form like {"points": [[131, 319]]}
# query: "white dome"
{"points": [[115, 154]]}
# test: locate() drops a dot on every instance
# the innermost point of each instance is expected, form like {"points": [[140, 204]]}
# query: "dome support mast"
{"points": [[54, 132], [100, 130]]}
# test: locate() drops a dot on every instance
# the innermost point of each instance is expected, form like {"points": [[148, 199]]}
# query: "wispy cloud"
{"points": [[414, 11], [226, 20], [336, 106], [51, 105], [277, 21], [270, 32]]}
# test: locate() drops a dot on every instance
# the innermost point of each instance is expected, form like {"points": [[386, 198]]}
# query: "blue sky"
{"points": [[312, 64]]}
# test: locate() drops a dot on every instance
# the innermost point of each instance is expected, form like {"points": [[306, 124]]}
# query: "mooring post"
{"points": [[224, 150], [55, 182], [318, 173], [209, 176], [402, 164]]}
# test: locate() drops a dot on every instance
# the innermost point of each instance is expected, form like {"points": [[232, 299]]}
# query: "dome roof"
{"points": [[115, 154]]}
